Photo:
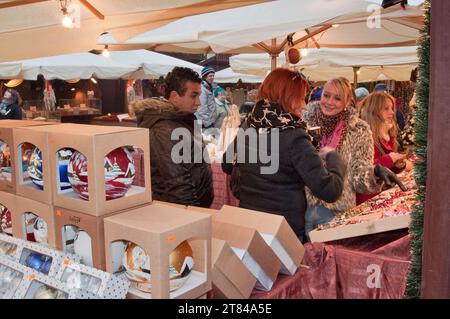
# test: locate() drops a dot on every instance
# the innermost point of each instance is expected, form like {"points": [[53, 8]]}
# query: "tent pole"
{"points": [[355, 76], [273, 54]]}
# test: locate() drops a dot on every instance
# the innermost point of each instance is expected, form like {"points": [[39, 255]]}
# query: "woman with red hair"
{"points": [[281, 100]]}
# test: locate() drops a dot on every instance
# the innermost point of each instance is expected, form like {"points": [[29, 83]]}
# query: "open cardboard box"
{"points": [[95, 142], [8, 173], [372, 224], [251, 248], [34, 221], [230, 277], [34, 136], [8, 203], [158, 230], [274, 229]]}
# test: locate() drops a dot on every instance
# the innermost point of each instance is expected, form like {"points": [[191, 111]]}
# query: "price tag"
{"points": [[121, 117]]}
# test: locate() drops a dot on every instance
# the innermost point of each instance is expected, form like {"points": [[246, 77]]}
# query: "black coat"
{"points": [[10, 112], [283, 192], [183, 183]]}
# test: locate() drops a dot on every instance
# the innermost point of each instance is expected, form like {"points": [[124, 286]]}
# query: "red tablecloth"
{"points": [[222, 192], [373, 266]]}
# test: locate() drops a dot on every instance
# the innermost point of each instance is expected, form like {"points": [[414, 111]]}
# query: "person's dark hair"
{"points": [[15, 95], [176, 80]]}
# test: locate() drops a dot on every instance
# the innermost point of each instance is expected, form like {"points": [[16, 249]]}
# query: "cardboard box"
{"points": [[91, 244], [371, 226], [8, 201], [169, 204], [274, 229], [158, 230], [8, 175], [37, 136], [23, 215], [251, 248], [37, 257], [95, 142], [230, 278]]}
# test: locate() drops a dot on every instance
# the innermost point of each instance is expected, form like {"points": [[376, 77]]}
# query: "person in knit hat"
{"points": [[207, 110]]}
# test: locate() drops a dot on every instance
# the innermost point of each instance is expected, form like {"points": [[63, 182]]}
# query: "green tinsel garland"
{"points": [[413, 286]]}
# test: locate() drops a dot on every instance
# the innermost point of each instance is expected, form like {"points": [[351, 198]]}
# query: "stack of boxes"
{"points": [[76, 224], [234, 250]]}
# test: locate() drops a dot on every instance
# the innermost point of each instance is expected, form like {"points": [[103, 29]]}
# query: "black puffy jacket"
{"points": [[283, 192], [183, 183]]}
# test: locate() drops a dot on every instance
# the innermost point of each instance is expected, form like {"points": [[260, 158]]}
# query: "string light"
{"points": [[66, 21]]}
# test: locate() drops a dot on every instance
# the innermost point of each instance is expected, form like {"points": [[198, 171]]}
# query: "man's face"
{"points": [[190, 101], [210, 78]]}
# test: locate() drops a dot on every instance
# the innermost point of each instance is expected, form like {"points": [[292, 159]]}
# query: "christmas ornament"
{"points": [[36, 228], [5, 221], [46, 292], [5, 161], [9, 281], [39, 262], [64, 156], [137, 265], [119, 173]]}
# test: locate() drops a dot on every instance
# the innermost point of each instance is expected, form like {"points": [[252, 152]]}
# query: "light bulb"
{"points": [[335, 25], [304, 52], [105, 52], [66, 21], [94, 80], [358, 72]]}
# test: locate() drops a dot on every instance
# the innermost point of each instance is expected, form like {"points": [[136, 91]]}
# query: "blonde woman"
{"points": [[341, 130], [378, 111]]}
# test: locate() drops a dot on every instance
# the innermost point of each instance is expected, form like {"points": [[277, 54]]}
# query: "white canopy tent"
{"points": [[265, 27], [229, 76], [32, 28], [323, 64], [71, 66], [271, 20], [9, 70], [150, 64]]}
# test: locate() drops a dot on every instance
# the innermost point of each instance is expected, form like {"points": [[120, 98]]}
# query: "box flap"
{"points": [[156, 218]]}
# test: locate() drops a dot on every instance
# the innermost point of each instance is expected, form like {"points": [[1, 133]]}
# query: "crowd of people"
{"points": [[337, 147]]}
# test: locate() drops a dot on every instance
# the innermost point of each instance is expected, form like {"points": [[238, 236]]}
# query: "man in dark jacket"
{"points": [[188, 182]]}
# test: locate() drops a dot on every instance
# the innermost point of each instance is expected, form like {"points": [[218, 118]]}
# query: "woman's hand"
{"points": [[396, 156], [324, 151], [408, 166]]}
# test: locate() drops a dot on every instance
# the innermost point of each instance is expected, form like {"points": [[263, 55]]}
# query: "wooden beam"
{"points": [[306, 37], [93, 9], [19, 3], [436, 243], [370, 45], [313, 39], [263, 47]]}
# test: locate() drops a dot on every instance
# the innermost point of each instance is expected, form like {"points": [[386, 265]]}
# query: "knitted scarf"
{"points": [[270, 115], [328, 124]]}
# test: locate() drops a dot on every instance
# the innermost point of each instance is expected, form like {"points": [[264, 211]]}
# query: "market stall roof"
{"points": [[229, 76], [393, 63], [9, 70], [151, 65], [32, 28], [265, 27], [71, 66], [204, 32]]}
